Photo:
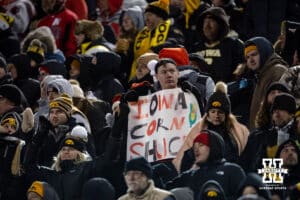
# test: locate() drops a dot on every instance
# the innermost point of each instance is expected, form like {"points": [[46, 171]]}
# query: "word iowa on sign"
{"points": [[158, 124]]}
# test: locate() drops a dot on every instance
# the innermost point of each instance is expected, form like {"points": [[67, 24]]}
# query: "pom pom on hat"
{"points": [[160, 8], [219, 99], [79, 132], [151, 66]]}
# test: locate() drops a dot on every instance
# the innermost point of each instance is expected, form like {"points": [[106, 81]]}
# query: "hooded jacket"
{"points": [[30, 87], [254, 180], [105, 85], [293, 176], [228, 175], [225, 53], [270, 70], [98, 187], [239, 133]]}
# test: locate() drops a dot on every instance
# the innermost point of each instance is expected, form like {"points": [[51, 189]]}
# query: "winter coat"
{"points": [[262, 143], [291, 79], [105, 86], [238, 131], [152, 193], [187, 21], [62, 25], [9, 39], [30, 87], [228, 175], [50, 140], [12, 147], [68, 183], [255, 180], [270, 70], [222, 57]]}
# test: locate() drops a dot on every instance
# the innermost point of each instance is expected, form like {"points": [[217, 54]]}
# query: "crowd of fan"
{"points": [[69, 69]]}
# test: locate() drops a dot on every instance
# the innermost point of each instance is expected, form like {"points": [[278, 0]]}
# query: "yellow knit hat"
{"points": [[64, 102], [37, 187], [160, 8]]}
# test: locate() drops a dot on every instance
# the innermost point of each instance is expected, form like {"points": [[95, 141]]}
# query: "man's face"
{"points": [[210, 29], [201, 152], [271, 96], [178, 4], [281, 117], [168, 75], [68, 153], [127, 23], [152, 20], [141, 70], [216, 116], [253, 60], [52, 93], [12, 69], [136, 181], [33, 196], [4, 105], [297, 121], [289, 155], [2, 72], [79, 38], [57, 117]]}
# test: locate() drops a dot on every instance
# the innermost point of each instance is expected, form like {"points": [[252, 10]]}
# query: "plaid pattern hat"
{"points": [[64, 102], [160, 8]]}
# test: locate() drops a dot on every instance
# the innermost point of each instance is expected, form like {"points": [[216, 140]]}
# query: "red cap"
{"points": [[202, 138]]}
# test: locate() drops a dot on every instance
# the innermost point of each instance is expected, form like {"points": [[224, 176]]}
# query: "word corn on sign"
{"points": [[158, 124]]}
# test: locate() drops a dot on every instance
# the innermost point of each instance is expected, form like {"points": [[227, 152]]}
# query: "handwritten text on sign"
{"points": [[158, 124]]}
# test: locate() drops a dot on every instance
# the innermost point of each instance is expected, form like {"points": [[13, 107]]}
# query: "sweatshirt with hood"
{"points": [[228, 175], [271, 68]]}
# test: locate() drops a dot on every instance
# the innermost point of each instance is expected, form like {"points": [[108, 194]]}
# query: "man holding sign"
{"points": [[159, 122]]}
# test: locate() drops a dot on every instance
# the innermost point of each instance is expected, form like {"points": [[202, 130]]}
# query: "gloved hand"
{"points": [[186, 86], [120, 121], [122, 45], [28, 120], [143, 88]]}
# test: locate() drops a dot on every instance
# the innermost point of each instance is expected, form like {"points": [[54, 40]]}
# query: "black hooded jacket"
{"points": [[229, 175], [30, 87], [104, 84]]}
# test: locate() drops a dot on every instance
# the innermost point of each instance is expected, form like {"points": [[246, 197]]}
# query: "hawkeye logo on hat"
{"points": [[54, 104], [11, 121], [216, 104], [69, 142], [212, 194]]}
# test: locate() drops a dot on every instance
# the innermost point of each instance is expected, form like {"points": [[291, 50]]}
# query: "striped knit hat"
{"points": [[64, 103]]}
